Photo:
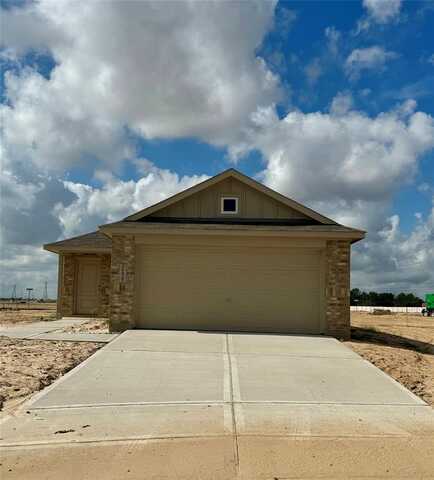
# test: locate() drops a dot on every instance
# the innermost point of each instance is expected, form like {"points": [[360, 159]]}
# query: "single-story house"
{"points": [[226, 254]]}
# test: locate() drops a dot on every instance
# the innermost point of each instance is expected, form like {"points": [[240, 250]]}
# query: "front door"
{"points": [[87, 283]]}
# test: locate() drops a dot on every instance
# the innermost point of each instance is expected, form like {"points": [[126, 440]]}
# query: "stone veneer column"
{"points": [[338, 288], [122, 283], [104, 286], [65, 305]]}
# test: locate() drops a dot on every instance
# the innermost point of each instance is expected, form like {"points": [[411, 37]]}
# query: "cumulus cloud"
{"points": [[185, 71], [333, 37], [313, 71], [383, 11], [393, 260], [379, 12], [344, 162], [117, 198], [341, 103], [348, 165], [26, 29], [44, 209], [27, 266], [138, 69], [371, 58]]}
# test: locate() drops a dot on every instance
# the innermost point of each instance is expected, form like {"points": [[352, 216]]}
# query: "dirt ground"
{"points": [[399, 344], [12, 314], [27, 366], [19, 314], [93, 326]]}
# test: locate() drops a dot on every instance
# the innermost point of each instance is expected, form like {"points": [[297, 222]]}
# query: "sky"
{"points": [[110, 106]]}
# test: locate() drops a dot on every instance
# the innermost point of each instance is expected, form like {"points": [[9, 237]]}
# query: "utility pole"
{"points": [[29, 294], [14, 293], [45, 291]]}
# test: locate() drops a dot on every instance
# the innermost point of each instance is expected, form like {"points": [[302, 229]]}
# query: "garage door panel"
{"points": [[235, 288]]}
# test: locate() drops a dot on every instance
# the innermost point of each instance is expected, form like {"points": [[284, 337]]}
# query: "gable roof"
{"points": [[231, 172]]}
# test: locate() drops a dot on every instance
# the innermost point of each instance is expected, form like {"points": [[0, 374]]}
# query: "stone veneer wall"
{"points": [[104, 286], [65, 298], [122, 283], [338, 288]]}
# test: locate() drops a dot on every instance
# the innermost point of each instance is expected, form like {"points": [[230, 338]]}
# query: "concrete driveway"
{"points": [[196, 405]]}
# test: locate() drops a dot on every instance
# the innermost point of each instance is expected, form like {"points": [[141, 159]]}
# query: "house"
{"points": [[226, 254]]}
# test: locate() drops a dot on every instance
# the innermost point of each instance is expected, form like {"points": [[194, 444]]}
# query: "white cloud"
{"points": [[27, 29], [395, 261], [333, 39], [286, 20], [188, 70], [44, 209], [313, 70], [371, 58], [383, 11], [27, 266], [117, 198], [321, 157], [341, 104], [348, 166], [192, 70]]}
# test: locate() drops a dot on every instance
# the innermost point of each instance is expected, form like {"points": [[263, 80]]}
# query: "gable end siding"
{"points": [[252, 204]]}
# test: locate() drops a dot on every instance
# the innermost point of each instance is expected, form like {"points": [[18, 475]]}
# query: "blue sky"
{"points": [[331, 103], [409, 76]]}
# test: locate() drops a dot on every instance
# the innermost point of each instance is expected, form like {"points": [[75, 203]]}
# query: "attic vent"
{"points": [[229, 205]]}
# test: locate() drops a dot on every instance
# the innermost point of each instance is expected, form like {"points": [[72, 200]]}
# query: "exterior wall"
{"points": [[59, 285], [65, 300], [122, 283], [252, 204], [338, 288], [104, 286], [66, 284], [117, 285]]}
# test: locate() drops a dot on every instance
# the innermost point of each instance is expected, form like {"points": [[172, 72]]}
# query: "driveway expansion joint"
{"points": [[234, 420]]}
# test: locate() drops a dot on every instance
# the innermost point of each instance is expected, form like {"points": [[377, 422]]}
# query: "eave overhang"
{"points": [[311, 231]]}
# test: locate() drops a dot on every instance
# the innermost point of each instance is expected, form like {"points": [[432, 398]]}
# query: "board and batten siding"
{"points": [[252, 204]]}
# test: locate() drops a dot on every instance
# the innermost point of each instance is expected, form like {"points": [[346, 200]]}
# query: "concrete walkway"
{"points": [[189, 405], [53, 330]]}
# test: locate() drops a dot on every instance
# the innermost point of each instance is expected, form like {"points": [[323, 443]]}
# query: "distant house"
{"points": [[226, 254]]}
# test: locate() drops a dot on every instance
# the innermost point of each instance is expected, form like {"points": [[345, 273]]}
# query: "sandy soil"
{"points": [[27, 366], [92, 326], [399, 344], [11, 314]]}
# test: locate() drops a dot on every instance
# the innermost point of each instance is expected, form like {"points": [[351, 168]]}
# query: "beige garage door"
{"points": [[237, 288]]}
